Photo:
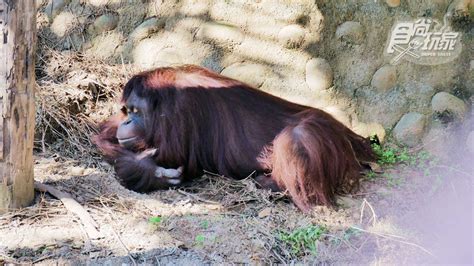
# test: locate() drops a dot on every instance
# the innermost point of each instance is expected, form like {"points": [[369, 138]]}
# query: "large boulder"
{"points": [[351, 31], [392, 3], [220, 33], [410, 129], [384, 108], [63, 23], [319, 74], [444, 103], [145, 29], [384, 78], [250, 73], [419, 95], [55, 7], [104, 23], [369, 129], [291, 36]]}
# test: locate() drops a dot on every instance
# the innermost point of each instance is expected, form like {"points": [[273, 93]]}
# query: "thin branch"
{"points": [[390, 237], [90, 226]]}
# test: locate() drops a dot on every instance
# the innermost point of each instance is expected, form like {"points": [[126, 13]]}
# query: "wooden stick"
{"points": [[394, 238], [90, 226]]}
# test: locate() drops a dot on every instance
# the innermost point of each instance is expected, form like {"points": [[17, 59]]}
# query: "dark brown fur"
{"points": [[203, 121]]}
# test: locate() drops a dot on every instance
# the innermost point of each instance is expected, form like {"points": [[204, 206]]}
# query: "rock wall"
{"points": [[326, 54]]}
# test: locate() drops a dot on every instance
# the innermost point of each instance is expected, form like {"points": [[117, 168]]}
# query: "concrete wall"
{"points": [[326, 54]]}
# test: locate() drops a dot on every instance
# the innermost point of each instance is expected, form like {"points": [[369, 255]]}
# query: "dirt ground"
{"points": [[400, 216]]}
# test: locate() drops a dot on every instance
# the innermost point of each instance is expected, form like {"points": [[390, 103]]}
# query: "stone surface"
{"points": [[55, 7], [105, 46], [392, 3], [147, 28], [350, 31], [470, 142], [104, 23], [269, 45], [131, 16], [250, 73], [168, 56], [291, 36], [438, 140], [353, 72], [419, 96], [384, 78], [99, 3], [340, 115], [39, 3], [63, 23], [459, 8], [444, 102], [384, 108], [410, 129], [319, 74], [220, 32], [369, 129]]}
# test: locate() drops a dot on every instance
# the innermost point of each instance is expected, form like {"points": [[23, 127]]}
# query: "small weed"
{"points": [[346, 235], [199, 240], [392, 180], [350, 233], [205, 224], [393, 155], [303, 239], [155, 220], [405, 157], [371, 175], [386, 155]]}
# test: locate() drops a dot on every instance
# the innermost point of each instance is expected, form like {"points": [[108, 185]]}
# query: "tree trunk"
{"points": [[17, 110]]}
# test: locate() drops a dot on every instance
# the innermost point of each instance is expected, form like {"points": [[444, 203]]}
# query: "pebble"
{"points": [[392, 3], [410, 129], [105, 23], [350, 31], [319, 74], [250, 73], [446, 102], [384, 78], [291, 36]]}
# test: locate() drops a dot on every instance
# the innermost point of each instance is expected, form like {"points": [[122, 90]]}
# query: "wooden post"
{"points": [[17, 107]]}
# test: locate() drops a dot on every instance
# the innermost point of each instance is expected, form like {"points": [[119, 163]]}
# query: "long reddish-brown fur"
{"points": [[204, 121]]}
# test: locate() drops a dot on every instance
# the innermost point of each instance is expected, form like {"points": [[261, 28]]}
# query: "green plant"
{"points": [[386, 155], [391, 155], [350, 233], [346, 235], [303, 239], [371, 175], [405, 157], [393, 181], [204, 224], [199, 240], [155, 220]]}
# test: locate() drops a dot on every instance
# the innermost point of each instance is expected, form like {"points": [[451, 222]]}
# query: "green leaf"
{"points": [[155, 220]]}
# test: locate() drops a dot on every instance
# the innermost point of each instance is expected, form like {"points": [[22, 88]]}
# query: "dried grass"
{"points": [[74, 93]]}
